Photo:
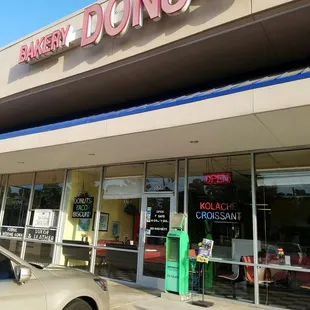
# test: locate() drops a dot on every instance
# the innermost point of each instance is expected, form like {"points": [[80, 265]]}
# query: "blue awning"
{"points": [[212, 93]]}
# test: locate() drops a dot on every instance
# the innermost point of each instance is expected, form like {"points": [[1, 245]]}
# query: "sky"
{"points": [[20, 18]]}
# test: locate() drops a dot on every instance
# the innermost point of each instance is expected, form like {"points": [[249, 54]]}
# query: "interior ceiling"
{"points": [[218, 60]]}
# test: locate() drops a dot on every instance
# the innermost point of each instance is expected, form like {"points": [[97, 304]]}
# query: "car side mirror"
{"points": [[22, 274]]}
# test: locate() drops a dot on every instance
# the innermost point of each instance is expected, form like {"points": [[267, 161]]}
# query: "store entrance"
{"points": [[157, 210]]}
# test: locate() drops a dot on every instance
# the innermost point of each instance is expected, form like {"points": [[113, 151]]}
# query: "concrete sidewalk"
{"points": [[126, 297]]}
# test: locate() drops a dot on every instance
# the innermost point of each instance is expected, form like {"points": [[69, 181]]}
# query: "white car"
{"points": [[27, 287]]}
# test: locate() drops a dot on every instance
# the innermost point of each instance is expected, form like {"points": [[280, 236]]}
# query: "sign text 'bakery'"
{"points": [[99, 20]]}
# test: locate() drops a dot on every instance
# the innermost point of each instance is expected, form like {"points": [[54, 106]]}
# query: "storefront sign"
{"points": [[42, 218], [50, 44], [218, 211], [12, 232], [99, 20], [83, 207], [41, 234], [217, 178]]}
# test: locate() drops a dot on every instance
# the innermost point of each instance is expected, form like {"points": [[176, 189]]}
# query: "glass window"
{"points": [[181, 186], [283, 208], [12, 245], [80, 204], [75, 256], [118, 238], [160, 176], [286, 289], [6, 268], [219, 203], [132, 170], [222, 280], [45, 206], [118, 235], [18, 195], [39, 253]]}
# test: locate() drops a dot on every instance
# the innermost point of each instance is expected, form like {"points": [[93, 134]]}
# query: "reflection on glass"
{"points": [[39, 253], [80, 200], [119, 225], [75, 256], [286, 289], [17, 200], [160, 176], [173, 252], [132, 170], [119, 222], [181, 186], [223, 280], [115, 263], [47, 193], [219, 200], [13, 246], [283, 209], [154, 257]]}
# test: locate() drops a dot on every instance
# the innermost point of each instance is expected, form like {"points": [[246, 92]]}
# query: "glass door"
{"points": [[157, 210]]}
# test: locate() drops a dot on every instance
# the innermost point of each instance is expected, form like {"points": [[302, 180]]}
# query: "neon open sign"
{"points": [[217, 178]]}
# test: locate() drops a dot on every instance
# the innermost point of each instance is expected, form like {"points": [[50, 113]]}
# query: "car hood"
{"points": [[65, 272]]}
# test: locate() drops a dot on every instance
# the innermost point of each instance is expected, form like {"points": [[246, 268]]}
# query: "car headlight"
{"points": [[102, 283]]}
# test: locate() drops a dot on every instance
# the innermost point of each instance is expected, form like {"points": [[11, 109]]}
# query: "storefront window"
{"points": [[80, 204], [12, 245], [280, 288], [45, 207], [223, 280], [15, 212], [283, 217], [118, 228], [181, 186], [160, 177], [39, 253], [219, 205], [75, 256]]}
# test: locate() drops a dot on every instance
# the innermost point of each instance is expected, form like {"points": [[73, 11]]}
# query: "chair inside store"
{"points": [[264, 275], [234, 278]]}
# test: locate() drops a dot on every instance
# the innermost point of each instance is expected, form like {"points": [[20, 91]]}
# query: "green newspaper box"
{"points": [[177, 262]]}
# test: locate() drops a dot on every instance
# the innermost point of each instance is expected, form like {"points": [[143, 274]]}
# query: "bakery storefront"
{"points": [[113, 220], [103, 151]]}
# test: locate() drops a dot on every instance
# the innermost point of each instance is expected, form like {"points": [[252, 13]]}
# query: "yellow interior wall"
{"points": [[115, 209], [71, 225]]}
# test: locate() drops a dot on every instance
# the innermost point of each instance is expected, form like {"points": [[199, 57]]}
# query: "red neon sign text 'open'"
{"points": [[217, 178]]}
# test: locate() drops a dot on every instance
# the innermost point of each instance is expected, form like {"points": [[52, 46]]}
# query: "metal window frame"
{"points": [[186, 194], [4, 197], [254, 230], [61, 217], [97, 220], [23, 251]]}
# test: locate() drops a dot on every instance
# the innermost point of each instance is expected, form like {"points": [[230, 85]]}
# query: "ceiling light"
{"points": [[21, 162], [91, 154], [194, 141]]}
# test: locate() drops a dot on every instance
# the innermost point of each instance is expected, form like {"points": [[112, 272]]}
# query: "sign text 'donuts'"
{"points": [[98, 20]]}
